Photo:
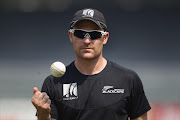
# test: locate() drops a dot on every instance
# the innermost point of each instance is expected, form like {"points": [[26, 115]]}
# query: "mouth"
{"points": [[87, 48]]}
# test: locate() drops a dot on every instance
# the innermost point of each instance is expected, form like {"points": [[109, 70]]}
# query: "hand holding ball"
{"points": [[57, 69]]}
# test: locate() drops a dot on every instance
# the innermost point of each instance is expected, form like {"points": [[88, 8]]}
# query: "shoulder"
{"points": [[123, 73], [121, 69]]}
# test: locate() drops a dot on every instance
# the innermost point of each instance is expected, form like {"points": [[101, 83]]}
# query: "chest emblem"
{"points": [[111, 89], [70, 91]]}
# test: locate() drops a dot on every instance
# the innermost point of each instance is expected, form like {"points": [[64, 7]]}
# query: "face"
{"points": [[86, 48]]}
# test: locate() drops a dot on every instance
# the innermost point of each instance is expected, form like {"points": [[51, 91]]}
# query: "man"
{"points": [[93, 88]]}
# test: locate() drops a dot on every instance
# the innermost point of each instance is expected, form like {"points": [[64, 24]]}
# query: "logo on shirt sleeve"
{"points": [[70, 91], [111, 89]]}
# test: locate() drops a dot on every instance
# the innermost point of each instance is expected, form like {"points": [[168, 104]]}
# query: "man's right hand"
{"points": [[41, 102]]}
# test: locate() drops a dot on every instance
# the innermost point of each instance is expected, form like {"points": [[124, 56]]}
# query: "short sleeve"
{"points": [[48, 88], [138, 103]]}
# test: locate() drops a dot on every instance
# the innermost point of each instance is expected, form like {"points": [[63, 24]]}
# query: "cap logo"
{"points": [[88, 13]]}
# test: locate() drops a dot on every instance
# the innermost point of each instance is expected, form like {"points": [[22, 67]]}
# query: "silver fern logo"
{"points": [[111, 89], [88, 13], [70, 91]]}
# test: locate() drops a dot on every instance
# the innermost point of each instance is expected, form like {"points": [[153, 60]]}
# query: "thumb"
{"points": [[35, 90]]}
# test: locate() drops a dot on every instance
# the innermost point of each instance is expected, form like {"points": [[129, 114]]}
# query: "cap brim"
{"points": [[101, 25]]}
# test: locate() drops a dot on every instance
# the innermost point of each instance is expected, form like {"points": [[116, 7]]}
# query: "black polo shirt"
{"points": [[115, 93]]}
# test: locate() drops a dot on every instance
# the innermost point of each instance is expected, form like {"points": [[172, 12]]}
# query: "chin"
{"points": [[87, 56]]}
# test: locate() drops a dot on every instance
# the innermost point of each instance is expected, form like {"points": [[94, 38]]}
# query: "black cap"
{"points": [[90, 14]]}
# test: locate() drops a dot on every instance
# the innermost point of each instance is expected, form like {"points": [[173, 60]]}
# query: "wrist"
{"points": [[43, 115]]}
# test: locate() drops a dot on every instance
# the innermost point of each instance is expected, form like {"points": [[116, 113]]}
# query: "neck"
{"points": [[90, 67]]}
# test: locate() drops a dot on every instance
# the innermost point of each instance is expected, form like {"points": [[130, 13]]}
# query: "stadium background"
{"points": [[144, 36]]}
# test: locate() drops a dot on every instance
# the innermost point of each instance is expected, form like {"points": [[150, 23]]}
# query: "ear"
{"points": [[106, 38], [70, 36]]}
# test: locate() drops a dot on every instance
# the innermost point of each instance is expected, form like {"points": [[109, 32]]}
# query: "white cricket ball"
{"points": [[57, 69]]}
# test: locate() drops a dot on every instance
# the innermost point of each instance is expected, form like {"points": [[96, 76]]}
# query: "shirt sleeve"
{"points": [[48, 88], [138, 101]]}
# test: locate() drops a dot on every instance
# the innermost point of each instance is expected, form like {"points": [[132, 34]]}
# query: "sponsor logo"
{"points": [[111, 89], [88, 13], [70, 91]]}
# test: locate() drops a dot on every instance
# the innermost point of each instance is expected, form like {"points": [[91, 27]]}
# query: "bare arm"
{"points": [[42, 103], [142, 117]]}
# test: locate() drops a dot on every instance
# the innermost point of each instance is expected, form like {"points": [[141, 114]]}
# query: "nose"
{"points": [[87, 34], [87, 39]]}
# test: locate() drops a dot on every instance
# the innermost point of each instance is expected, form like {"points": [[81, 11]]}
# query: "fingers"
{"points": [[35, 90], [43, 97], [36, 95], [41, 100], [49, 102]]}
